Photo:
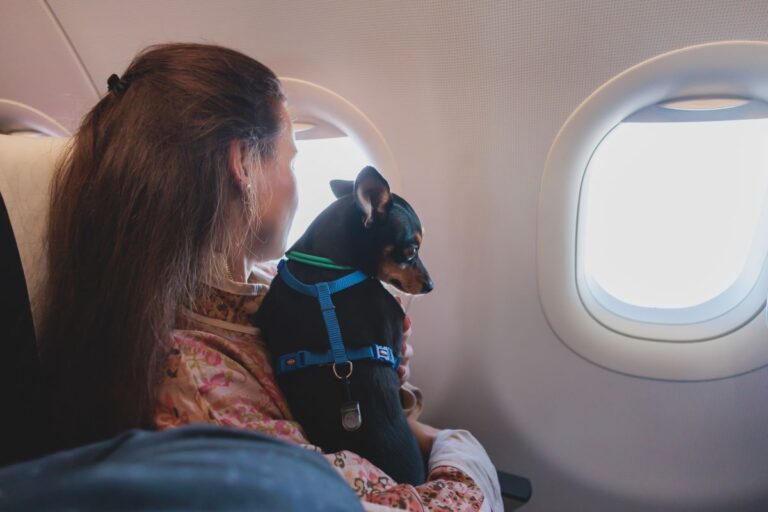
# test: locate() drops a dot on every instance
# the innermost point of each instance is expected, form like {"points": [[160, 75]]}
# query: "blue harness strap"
{"points": [[337, 354], [306, 359], [338, 285]]}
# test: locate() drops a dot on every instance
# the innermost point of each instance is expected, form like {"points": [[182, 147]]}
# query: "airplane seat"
{"points": [[26, 168]]}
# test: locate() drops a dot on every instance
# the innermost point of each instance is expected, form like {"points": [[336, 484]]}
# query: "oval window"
{"points": [[653, 218], [671, 225], [318, 161], [335, 140]]}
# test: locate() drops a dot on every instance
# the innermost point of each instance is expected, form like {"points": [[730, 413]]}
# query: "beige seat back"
{"points": [[26, 168]]}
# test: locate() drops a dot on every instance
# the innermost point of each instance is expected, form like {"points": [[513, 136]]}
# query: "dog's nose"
{"points": [[428, 286]]}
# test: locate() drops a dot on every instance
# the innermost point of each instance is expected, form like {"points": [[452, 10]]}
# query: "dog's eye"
{"points": [[410, 252]]}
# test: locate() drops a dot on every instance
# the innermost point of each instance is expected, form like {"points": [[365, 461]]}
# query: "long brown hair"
{"points": [[140, 205]]}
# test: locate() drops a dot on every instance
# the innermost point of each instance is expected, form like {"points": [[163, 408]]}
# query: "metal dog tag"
{"points": [[351, 419]]}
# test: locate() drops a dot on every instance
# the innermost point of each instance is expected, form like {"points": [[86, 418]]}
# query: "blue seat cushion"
{"points": [[195, 467]]}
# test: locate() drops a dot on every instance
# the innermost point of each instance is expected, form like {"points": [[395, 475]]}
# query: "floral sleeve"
{"points": [[210, 379], [446, 489]]}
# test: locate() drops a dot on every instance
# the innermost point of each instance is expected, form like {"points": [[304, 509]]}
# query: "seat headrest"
{"points": [[26, 167]]}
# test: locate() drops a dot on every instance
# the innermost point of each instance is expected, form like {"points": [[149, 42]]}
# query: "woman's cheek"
{"points": [[288, 202], [295, 196]]}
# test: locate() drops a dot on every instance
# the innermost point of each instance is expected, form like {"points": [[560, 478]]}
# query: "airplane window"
{"points": [[652, 245], [27, 133], [318, 162], [672, 206], [335, 140], [23, 120]]}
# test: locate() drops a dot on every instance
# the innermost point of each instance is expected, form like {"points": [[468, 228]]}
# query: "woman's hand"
{"points": [[425, 436], [406, 353]]}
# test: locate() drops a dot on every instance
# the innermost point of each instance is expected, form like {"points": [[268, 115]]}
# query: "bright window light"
{"points": [[317, 163], [673, 209]]}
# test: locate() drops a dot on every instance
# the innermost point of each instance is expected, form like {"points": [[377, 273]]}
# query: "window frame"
{"points": [[729, 343], [18, 118], [312, 103]]}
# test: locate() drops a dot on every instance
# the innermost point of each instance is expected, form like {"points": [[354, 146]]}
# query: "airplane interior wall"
{"points": [[469, 95]]}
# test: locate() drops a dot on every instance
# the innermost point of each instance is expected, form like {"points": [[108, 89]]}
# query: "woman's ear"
{"points": [[372, 194], [236, 167]]}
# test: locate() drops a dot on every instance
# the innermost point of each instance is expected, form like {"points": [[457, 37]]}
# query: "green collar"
{"points": [[315, 261]]}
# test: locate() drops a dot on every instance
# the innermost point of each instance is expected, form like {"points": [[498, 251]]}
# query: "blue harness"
{"points": [[338, 354]]}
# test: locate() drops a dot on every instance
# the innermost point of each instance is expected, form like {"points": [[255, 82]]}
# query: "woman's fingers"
{"points": [[404, 373], [407, 324], [404, 370], [406, 352]]}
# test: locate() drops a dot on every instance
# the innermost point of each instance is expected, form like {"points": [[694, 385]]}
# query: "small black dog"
{"points": [[354, 405]]}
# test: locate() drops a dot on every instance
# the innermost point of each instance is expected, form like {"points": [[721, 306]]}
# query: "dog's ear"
{"points": [[342, 188], [372, 194]]}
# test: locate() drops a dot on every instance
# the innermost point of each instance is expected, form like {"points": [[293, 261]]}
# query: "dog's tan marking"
{"points": [[409, 278]]}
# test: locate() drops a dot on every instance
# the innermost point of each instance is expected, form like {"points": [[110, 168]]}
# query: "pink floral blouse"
{"points": [[219, 372]]}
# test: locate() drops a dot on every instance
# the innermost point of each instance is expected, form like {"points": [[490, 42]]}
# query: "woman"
{"points": [[178, 185]]}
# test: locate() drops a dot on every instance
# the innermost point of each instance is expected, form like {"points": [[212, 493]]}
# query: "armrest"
{"points": [[516, 490]]}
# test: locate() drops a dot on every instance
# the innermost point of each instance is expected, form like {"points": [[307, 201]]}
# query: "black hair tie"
{"points": [[116, 85]]}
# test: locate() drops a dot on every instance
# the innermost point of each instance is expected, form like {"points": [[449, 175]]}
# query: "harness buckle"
{"points": [[343, 377]]}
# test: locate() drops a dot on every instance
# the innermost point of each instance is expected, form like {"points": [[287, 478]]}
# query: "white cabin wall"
{"points": [[469, 95]]}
